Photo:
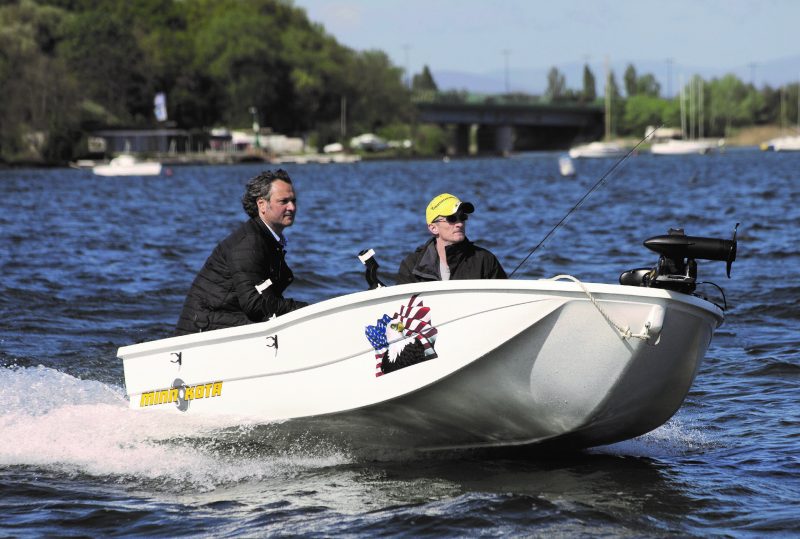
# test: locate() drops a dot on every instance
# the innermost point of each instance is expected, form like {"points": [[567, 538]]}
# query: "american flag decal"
{"points": [[403, 339]]}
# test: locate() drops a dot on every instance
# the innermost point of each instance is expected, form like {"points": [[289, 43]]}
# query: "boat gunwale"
{"points": [[606, 291]]}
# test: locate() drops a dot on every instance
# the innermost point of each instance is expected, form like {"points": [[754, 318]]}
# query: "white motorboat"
{"points": [[454, 364], [597, 150], [686, 147], [789, 143], [82, 164], [128, 165]]}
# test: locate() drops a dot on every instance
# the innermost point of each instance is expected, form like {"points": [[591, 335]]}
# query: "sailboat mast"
{"points": [[692, 86], [608, 100], [783, 109], [701, 108], [683, 111]]}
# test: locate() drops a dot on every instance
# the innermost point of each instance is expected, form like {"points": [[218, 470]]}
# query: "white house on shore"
{"points": [[271, 142]]}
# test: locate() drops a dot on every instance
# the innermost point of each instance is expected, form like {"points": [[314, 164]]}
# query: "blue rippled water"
{"points": [[89, 264]]}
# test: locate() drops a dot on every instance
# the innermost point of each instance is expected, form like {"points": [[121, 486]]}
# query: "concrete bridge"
{"points": [[499, 125]]}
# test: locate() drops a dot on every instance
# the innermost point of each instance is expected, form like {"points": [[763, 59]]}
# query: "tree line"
{"points": [[67, 66], [711, 108], [70, 66]]}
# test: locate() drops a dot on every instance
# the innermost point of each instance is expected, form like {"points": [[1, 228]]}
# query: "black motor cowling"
{"points": [[677, 265]]}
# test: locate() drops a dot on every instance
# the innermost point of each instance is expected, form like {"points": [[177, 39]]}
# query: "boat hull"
{"points": [[686, 147], [139, 169], [598, 150], [785, 144], [127, 165], [515, 363]]}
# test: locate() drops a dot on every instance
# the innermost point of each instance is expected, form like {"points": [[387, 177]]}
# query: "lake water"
{"points": [[89, 264]]}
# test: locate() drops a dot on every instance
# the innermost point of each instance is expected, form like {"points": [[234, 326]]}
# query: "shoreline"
{"points": [[751, 136]]}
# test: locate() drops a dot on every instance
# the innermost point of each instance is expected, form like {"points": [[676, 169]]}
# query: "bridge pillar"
{"points": [[485, 139], [504, 139], [462, 139], [496, 139]]}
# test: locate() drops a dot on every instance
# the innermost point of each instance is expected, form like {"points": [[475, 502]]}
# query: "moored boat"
{"points": [[789, 143], [686, 147], [597, 150], [127, 165]]}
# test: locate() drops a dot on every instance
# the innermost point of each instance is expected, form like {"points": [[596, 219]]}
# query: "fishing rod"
{"points": [[584, 197]]}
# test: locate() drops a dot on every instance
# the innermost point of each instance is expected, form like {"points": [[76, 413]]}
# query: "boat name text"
{"points": [[178, 394]]}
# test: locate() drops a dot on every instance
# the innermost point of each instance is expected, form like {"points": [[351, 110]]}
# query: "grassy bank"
{"points": [[755, 135]]}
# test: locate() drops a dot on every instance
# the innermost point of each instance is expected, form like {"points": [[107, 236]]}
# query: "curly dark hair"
{"points": [[261, 187]]}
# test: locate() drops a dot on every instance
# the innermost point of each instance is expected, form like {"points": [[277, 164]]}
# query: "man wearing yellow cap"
{"points": [[449, 254]]}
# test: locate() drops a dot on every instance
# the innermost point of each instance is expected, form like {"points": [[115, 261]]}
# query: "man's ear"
{"points": [[433, 229], [261, 204]]}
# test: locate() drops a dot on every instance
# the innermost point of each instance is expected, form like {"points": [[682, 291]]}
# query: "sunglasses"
{"points": [[453, 219]]}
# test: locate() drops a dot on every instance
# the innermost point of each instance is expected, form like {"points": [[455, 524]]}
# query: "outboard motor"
{"points": [[677, 265], [367, 257]]}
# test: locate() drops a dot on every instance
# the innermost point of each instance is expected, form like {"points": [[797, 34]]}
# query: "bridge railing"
{"points": [[516, 99]]}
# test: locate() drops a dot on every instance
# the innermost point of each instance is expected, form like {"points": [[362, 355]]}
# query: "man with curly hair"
{"points": [[244, 278]]}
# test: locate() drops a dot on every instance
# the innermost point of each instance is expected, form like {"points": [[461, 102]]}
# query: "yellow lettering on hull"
{"points": [[172, 394]]}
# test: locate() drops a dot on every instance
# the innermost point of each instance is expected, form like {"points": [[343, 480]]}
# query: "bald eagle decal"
{"points": [[403, 339]]}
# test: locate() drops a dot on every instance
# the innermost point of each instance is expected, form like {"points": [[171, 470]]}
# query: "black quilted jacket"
{"points": [[224, 292], [465, 259]]}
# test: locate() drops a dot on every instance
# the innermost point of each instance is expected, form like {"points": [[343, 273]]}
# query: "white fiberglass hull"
{"points": [[139, 169], [127, 165], [595, 150], [513, 363], [685, 147], [785, 144]]}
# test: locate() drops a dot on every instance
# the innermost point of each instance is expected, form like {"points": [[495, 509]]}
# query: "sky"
{"points": [[485, 36]]}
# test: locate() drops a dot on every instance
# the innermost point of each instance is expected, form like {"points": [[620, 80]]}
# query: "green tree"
{"points": [[630, 79], [430, 140], [642, 111], [612, 87], [648, 85], [732, 104], [617, 105], [424, 81], [39, 109], [589, 85], [102, 52], [780, 106], [237, 47], [771, 111], [637, 85], [556, 85], [319, 72], [671, 113], [378, 86]]}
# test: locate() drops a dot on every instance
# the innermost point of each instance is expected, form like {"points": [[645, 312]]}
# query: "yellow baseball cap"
{"points": [[444, 205]]}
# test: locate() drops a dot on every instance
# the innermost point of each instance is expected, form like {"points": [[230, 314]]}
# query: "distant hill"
{"points": [[774, 73]]}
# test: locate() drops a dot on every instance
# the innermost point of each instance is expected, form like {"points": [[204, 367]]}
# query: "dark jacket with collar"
{"points": [[224, 292], [465, 260]]}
